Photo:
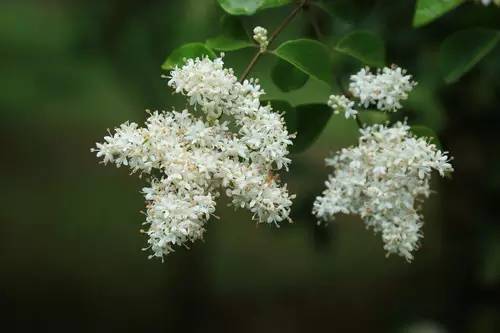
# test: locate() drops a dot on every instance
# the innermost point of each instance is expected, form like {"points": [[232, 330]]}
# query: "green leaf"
{"points": [[233, 37], [287, 77], [424, 131], [186, 51], [365, 46], [373, 117], [223, 43], [464, 49], [310, 56], [250, 7], [429, 10]]}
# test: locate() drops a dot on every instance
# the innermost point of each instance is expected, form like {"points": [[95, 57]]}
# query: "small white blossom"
{"points": [[383, 179], [341, 104], [260, 36], [191, 159], [385, 89]]}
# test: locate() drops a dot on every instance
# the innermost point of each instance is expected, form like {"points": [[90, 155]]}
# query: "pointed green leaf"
{"points": [[287, 77], [186, 51], [464, 49], [310, 56], [365, 46], [233, 36], [427, 11], [249, 7]]}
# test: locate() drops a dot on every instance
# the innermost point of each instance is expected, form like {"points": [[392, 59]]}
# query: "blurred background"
{"points": [[70, 246]]}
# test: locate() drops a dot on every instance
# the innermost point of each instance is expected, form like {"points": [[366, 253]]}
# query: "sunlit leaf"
{"points": [[287, 77], [233, 36], [464, 49], [427, 11], [309, 56], [191, 50], [249, 7], [365, 46]]}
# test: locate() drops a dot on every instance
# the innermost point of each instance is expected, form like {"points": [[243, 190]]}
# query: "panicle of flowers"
{"points": [[191, 159], [342, 104], [384, 180], [260, 36], [384, 89]]}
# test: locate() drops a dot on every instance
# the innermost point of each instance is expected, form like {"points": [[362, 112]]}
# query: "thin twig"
{"points": [[272, 37]]}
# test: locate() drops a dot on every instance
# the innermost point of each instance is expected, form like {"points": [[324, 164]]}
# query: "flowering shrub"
{"points": [[229, 141]]}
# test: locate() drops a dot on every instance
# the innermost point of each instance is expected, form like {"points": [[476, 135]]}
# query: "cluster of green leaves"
{"points": [[463, 49], [300, 60]]}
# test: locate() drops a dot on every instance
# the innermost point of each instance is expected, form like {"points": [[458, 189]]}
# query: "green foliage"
{"points": [[287, 77], [307, 121], [346, 10], [464, 49], [309, 56], [63, 77], [427, 11], [370, 117], [249, 7], [424, 131], [365, 46], [233, 36], [425, 105], [190, 50]]}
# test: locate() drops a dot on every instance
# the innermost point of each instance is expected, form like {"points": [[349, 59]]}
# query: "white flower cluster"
{"points": [[385, 89], [260, 36], [191, 158], [384, 179], [488, 2], [342, 104]]}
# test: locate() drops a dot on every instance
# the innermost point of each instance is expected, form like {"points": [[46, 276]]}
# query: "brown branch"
{"points": [[272, 37]]}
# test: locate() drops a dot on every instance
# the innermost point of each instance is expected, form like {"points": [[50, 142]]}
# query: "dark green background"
{"points": [[70, 247]]}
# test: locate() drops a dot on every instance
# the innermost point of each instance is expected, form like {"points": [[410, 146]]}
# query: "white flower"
{"points": [[191, 159], [341, 104], [385, 89], [383, 179], [260, 36]]}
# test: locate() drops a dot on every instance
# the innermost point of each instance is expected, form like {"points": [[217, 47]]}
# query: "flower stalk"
{"points": [[272, 37]]}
